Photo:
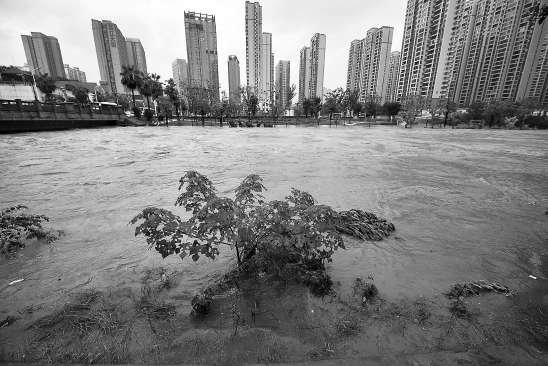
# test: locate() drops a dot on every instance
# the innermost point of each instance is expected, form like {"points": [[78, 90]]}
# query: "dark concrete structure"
{"points": [[17, 116]]}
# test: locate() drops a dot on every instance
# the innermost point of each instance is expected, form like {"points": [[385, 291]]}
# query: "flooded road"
{"points": [[467, 204]]}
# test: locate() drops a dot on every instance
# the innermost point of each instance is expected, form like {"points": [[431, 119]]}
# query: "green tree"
{"points": [[132, 79], [307, 107], [220, 109], [371, 107], [81, 95], [391, 109], [123, 101], [46, 84], [250, 101], [173, 94], [413, 105], [157, 87], [151, 87], [496, 112], [290, 95], [334, 101], [475, 110], [145, 88], [316, 106], [449, 107], [234, 108], [200, 102], [165, 107], [352, 102]]}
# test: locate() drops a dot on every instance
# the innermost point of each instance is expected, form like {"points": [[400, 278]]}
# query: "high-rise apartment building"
{"points": [[201, 46], [474, 50], [74, 73], [179, 69], [354, 65], [485, 50], [266, 85], [43, 55], [534, 81], [455, 47], [317, 64], [504, 49], [234, 79], [304, 74], [283, 84], [111, 49], [253, 40], [393, 73], [422, 40], [136, 54], [374, 64]]}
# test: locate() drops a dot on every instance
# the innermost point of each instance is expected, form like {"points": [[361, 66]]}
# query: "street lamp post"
{"points": [[34, 82]]}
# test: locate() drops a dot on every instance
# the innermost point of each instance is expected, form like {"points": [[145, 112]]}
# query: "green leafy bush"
{"points": [[291, 239], [539, 122], [17, 226]]}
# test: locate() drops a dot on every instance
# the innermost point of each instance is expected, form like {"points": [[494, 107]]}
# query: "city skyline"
{"points": [[165, 43]]}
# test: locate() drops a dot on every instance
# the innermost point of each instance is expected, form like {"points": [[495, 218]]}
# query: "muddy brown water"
{"points": [[467, 204]]}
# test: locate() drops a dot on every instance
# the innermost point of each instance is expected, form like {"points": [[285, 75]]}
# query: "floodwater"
{"points": [[467, 204]]}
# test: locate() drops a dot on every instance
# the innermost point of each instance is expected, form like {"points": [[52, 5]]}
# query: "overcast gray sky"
{"points": [[160, 26]]}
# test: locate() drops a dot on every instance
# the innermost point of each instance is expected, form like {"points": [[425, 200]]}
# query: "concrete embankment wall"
{"points": [[28, 117], [34, 125], [19, 91]]}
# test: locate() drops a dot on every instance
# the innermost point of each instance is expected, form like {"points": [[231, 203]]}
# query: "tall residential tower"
{"points": [[374, 64], [354, 65], [43, 55], [111, 49], [304, 74], [201, 47], [266, 83], [234, 78], [253, 40], [179, 68], [136, 54], [317, 65], [423, 35], [283, 84], [393, 73]]}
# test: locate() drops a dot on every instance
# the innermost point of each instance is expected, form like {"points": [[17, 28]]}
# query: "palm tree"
{"points": [[131, 79], [145, 88]]}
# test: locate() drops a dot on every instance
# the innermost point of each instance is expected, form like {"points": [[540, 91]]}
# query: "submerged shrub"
{"points": [[459, 309], [367, 291], [290, 239], [17, 226]]}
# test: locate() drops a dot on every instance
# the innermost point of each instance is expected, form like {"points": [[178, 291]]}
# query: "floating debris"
{"points": [[201, 304], [364, 225], [9, 320], [475, 288]]}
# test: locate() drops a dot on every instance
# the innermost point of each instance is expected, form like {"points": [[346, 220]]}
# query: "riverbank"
{"points": [[153, 325]]}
